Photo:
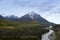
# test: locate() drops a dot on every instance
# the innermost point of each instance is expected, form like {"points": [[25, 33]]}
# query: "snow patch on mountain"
{"points": [[32, 14]]}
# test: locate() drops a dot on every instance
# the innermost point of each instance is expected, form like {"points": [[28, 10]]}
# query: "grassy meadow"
{"points": [[12, 30], [57, 31]]}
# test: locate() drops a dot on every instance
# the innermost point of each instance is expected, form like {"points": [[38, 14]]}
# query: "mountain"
{"points": [[30, 18], [33, 17], [1, 17], [12, 17]]}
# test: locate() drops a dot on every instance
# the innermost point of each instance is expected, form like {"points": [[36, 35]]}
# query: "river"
{"points": [[49, 35]]}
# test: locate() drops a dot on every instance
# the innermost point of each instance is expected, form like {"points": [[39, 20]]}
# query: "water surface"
{"points": [[49, 36]]}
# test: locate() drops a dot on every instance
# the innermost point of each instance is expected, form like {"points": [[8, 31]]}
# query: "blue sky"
{"points": [[49, 9]]}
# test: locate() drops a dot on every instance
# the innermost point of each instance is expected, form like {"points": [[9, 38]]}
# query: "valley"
{"points": [[29, 27], [29, 19]]}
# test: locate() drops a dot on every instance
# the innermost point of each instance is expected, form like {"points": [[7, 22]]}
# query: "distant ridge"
{"points": [[30, 17], [1, 17], [12, 17]]}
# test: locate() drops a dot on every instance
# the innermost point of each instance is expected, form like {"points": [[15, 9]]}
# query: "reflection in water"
{"points": [[49, 36]]}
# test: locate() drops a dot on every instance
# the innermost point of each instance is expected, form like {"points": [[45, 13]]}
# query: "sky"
{"points": [[48, 9]]}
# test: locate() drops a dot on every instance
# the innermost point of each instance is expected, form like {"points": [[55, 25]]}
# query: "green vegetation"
{"points": [[12, 30], [34, 33], [57, 35], [57, 31]]}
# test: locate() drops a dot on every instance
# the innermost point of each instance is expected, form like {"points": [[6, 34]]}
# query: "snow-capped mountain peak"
{"points": [[32, 14]]}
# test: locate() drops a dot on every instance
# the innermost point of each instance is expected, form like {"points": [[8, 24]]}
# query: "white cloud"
{"points": [[49, 9]]}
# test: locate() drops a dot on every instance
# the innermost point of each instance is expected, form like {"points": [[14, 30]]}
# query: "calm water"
{"points": [[49, 36]]}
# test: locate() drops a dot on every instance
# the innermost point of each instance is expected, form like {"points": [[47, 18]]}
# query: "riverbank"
{"points": [[56, 28], [57, 35]]}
